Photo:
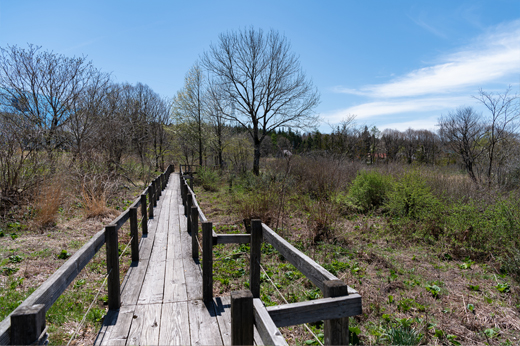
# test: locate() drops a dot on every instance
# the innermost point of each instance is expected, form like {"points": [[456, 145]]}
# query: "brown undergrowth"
{"points": [[407, 283]]}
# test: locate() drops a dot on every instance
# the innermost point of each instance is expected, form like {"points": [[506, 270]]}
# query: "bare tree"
{"points": [[189, 105], [262, 78], [42, 88], [462, 132], [503, 120], [392, 143]]}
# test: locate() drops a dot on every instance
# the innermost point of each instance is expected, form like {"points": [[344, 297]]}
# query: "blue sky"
{"points": [[394, 64]]}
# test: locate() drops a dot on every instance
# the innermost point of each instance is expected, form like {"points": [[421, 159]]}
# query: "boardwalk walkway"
{"points": [[161, 295]]}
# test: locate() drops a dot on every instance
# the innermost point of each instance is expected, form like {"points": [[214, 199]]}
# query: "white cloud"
{"points": [[372, 109], [422, 124], [490, 57]]}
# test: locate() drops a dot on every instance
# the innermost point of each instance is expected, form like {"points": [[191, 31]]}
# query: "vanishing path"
{"points": [[161, 295]]}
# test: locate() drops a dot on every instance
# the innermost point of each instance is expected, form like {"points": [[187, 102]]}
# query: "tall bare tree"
{"points": [[463, 131], [504, 112], [263, 79]]}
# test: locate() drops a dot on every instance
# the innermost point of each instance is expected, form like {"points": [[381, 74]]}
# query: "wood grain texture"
{"points": [[269, 332], [173, 328], [204, 328], [118, 326], [145, 325], [312, 270], [133, 282], [315, 310], [231, 239], [242, 319]]}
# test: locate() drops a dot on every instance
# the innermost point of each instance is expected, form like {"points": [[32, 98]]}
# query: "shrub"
{"points": [[411, 197], [370, 189], [208, 178]]}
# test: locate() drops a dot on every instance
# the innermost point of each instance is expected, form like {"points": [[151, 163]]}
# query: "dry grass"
{"points": [[47, 203]]}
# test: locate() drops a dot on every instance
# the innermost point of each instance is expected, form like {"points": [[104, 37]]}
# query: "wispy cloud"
{"points": [[427, 124], [492, 56], [379, 108]]}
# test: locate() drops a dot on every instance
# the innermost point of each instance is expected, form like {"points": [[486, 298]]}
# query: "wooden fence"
{"points": [[26, 324], [339, 303]]}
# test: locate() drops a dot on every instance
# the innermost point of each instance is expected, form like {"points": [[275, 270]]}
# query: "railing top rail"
{"points": [[312, 270], [52, 288]]}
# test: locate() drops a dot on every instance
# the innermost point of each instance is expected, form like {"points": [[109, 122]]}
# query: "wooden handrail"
{"points": [[340, 302], [57, 283]]}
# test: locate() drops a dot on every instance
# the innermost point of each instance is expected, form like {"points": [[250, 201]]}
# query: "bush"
{"points": [[370, 189], [208, 178], [411, 197]]}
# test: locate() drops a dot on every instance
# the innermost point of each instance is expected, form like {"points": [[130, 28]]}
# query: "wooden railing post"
{"points": [[114, 295], [189, 203], [255, 256], [158, 188], [28, 325], [207, 261], [154, 196], [242, 318], [134, 233], [336, 330], [150, 201], [194, 232], [144, 222]]}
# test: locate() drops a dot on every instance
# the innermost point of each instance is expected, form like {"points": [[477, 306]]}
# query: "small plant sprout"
{"points": [[474, 288], [63, 254], [503, 287], [434, 290], [471, 308]]}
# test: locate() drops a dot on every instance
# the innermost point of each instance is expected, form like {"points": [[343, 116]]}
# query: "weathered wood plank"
{"points": [[152, 290], [109, 321], [117, 332], [133, 282], [174, 324], [231, 239], [269, 333], [145, 325], [315, 310], [312, 270], [203, 324], [255, 257], [174, 282]]}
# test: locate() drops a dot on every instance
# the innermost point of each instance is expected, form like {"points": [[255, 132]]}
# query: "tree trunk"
{"points": [[256, 159]]}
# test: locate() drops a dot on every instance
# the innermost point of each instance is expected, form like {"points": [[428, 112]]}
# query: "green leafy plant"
{"points": [[411, 197], [474, 287], [503, 287], [15, 259], [434, 290], [63, 254], [369, 189]]}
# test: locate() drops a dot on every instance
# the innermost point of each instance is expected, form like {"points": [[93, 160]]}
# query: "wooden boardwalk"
{"points": [[161, 295]]}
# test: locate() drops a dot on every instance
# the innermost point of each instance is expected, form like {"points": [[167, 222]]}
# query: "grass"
{"points": [[401, 269]]}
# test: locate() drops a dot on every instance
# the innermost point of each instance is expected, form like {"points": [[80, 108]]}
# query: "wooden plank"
{"points": [[174, 282], [203, 324], [231, 239], [312, 270], [174, 324], [315, 310], [145, 325], [133, 282], [269, 332], [192, 270], [336, 329], [109, 321], [117, 331], [222, 306], [152, 290]]}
